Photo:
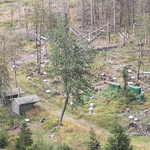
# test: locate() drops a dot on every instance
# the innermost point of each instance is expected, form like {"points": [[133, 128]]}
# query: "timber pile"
{"points": [[105, 48], [139, 125], [137, 51], [14, 127]]}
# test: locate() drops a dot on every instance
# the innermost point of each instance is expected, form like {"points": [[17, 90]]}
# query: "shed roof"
{"points": [[27, 99], [14, 91]]}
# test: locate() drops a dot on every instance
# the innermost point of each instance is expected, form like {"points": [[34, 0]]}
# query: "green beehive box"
{"points": [[142, 97], [115, 85], [135, 89]]}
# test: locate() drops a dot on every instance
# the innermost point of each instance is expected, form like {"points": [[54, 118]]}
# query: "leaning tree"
{"points": [[70, 60]]}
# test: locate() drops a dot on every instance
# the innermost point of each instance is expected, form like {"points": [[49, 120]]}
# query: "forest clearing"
{"points": [[74, 75]]}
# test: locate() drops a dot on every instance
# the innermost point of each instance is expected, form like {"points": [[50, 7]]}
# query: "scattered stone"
{"points": [[44, 73], [28, 78], [45, 80], [43, 65], [71, 103], [48, 91], [131, 117], [51, 136], [57, 93], [42, 120], [27, 120], [132, 78]]}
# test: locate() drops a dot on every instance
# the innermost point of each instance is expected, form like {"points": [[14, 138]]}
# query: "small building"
{"points": [[22, 104], [8, 94], [13, 93]]}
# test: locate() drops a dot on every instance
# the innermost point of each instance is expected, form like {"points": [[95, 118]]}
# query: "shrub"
{"points": [[119, 140], [118, 95], [93, 144], [40, 145], [49, 124], [62, 146], [3, 140]]}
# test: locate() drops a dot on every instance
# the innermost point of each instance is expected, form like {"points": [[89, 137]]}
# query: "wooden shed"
{"points": [[22, 104], [13, 93], [6, 95]]}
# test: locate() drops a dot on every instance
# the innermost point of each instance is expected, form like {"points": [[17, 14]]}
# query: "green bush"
{"points": [[49, 124], [3, 140], [118, 140], [93, 143], [40, 145], [118, 95], [62, 146]]}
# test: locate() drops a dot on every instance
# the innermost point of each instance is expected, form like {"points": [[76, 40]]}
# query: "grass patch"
{"points": [[140, 143]]}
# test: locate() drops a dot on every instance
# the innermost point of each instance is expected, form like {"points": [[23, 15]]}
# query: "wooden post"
{"points": [[114, 15], [124, 37], [91, 9], [108, 31]]}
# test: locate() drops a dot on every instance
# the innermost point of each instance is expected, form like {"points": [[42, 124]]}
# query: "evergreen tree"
{"points": [[93, 144], [24, 138], [125, 76], [119, 140], [3, 140]]}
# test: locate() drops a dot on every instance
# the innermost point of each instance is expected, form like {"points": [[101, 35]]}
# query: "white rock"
{"points": [[45, 80], [28, 78], [129, 70], [45, 73], [91, 104], [131, 117], [51, 136], [71, 103], [46, 61], [27, 120], [42, 65], [48, 91]]}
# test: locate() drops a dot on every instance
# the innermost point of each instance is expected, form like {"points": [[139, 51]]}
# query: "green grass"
{"points": [[106, 104], [140, 143], [4, 3]]}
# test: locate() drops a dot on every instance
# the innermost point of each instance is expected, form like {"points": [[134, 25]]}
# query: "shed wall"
{"points": [[15, 107], [24, 108]]}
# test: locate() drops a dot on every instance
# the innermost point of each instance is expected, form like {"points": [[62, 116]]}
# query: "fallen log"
{"points": [[101, 48]]}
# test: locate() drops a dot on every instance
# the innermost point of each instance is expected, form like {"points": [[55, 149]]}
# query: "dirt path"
{"points": [[81, 122], [30, 55]]}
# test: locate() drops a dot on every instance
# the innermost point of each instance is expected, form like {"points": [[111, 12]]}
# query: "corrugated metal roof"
{"points": [[14, 91], [27, 99]]}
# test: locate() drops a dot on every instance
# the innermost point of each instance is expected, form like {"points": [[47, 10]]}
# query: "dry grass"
{"points": [[73, 131], [141, 143]]}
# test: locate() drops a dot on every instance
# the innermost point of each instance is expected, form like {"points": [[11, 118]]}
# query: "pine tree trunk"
{"points": [[11, 19], [64, 109], [114, 16], [91, 11]]}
